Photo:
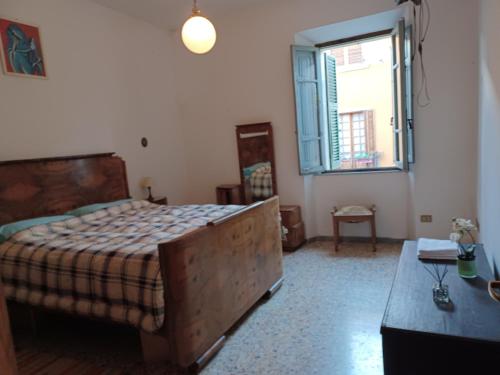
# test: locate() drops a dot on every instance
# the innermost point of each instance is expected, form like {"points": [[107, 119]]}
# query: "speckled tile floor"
{"points": [[325, 320]]}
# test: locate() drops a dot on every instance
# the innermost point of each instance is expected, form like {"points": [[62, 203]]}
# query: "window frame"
{"points": [[405, 98], [354, 39], [358, 39]]}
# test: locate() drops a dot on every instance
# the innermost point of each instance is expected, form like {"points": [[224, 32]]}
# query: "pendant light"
{"points": [[198, 33]]}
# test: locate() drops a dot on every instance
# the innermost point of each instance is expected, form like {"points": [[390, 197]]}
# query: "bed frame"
{"points": [[212, 276]]}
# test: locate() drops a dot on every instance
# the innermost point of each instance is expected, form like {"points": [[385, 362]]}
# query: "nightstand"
{"points": [[228, 194], [159, 200], [291, 219]]}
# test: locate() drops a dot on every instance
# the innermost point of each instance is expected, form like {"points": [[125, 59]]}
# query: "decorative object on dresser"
{"points": [[7, 353], [291, 219], [463, 228], [243, 248], [440, 291], [229, 194], [256, 159], [493, 287], [353, 215], [421, 337]]}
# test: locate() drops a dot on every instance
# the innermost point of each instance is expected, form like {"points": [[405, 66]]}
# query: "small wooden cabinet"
{"points": [[229, 194], [291, 219]]}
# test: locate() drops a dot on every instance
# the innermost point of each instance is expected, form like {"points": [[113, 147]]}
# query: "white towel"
{"points": [[429, 248]]}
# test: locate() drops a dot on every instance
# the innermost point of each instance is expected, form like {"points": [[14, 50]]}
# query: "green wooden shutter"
{"points": [[307, 83], [410, 123], [399, 122], [332, 110]]}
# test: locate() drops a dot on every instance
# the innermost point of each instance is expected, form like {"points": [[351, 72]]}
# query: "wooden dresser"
{"points": [[7, 354], [291, 219], [421, 338]]}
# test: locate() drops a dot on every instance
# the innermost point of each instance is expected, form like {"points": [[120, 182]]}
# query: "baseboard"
{"points": [[356, 239]]}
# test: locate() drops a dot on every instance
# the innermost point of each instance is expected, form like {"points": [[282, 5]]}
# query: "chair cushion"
{"points": [[353, 211]]}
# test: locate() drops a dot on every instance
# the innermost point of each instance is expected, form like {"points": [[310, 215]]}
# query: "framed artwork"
{"points": [[21, 49]]}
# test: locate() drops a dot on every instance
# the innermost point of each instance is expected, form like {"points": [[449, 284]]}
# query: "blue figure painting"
{"points": [[21, 49]]}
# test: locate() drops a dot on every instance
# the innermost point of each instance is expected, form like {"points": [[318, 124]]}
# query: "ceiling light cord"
{"points": [[423, 25], [196, 10]]}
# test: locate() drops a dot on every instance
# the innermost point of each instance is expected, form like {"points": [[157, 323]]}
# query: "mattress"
{"points": [[104, 264]]}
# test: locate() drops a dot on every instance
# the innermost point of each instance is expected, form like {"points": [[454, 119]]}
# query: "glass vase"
{"points": [[440, 293], [467, 266]]}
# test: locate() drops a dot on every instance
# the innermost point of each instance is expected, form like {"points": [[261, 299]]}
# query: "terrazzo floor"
{"points": [[325, 320]]}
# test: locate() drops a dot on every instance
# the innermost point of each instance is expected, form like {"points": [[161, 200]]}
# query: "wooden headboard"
{"points": [[52, 186]]}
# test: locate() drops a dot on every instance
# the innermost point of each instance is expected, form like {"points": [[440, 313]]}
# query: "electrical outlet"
{"points": [[426, 218]]}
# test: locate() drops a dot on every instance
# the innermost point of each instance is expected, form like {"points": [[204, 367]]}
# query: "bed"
{"points": [[182, 275]]}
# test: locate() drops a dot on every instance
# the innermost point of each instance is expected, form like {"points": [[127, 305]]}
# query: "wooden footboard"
{"points": [[214, 275]]}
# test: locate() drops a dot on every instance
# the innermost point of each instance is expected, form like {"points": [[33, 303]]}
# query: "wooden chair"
{"points": [[353, 214]]}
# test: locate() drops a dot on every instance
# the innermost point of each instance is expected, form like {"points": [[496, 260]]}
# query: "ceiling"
{"points": [[171, 14]]}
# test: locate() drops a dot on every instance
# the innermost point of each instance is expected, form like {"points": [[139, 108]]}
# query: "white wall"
{"points": [[387, 190], [247, 78], [110, 83], [489, 129], [444, 177]]}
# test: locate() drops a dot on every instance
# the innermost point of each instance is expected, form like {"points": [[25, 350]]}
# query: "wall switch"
{"points": [[426, 218]]}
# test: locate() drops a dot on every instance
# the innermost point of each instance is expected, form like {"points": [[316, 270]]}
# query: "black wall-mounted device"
{"points": [[416, 2]]}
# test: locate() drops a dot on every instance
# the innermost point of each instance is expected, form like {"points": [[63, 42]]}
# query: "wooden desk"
{"points": [[420, 338]]}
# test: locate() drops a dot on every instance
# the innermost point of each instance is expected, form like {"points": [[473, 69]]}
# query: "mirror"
{"points": [[256, 157]]}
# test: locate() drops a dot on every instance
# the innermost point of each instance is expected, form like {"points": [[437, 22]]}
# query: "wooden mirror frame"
{"points": [[255, 149]]}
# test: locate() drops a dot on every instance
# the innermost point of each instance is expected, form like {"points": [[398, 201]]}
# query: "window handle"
{"points": [[392, 121], [410, 123]]}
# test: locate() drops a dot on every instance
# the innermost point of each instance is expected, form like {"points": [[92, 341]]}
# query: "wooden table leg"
{"points": [[7, 353], [374, 232], [335, 233]]}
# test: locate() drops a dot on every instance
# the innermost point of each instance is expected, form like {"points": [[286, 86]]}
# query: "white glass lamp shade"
{"points": [[198, 34]]}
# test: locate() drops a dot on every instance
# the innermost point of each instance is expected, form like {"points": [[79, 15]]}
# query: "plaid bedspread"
{"points": [[104, 264], [261, 183]]}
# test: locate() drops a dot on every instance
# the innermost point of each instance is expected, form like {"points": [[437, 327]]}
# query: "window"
{"points": [[354, 103], [348, 55], [356, 140]]}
